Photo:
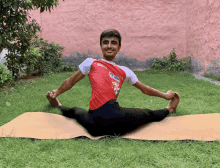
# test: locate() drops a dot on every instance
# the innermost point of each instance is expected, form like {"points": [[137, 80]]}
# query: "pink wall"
{"points": [[203, 30], [149, 28]]}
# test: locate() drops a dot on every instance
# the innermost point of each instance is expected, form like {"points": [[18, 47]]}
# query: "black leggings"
{"points": [[112, 119]]}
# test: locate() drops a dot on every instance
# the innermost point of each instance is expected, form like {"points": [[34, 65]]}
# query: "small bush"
{"points": [[41, 56], [5, 76], [31, 59], [50, 56], [69, 67], [171, 63]]}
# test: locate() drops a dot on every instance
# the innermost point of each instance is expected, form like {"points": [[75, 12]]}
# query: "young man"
{"points": [[105, 115]]}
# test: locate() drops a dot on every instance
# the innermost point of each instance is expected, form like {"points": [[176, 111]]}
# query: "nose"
{"points": [[109, 45]]}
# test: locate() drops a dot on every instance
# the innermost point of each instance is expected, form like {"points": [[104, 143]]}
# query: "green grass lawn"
{"points": [[197, 97]]}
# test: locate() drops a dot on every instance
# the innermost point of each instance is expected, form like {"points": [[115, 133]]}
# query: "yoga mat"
{"points": [[41, 125]]}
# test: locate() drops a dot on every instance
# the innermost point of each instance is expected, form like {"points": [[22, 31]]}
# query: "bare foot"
{"points": [[173, 104], [53, 101], [177, 95]]}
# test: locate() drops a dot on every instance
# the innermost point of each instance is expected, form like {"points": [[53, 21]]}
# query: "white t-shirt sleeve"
{"points": [[131, 78], [85, 65]]}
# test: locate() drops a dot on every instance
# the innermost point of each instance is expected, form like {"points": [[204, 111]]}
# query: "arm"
{"points": [[149, 91], [70, 82]]}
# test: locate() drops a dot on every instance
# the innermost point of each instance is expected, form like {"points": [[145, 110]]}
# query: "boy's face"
{"points": [[110, 47]]}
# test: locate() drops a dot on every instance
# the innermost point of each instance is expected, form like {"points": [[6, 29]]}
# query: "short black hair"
{"points": [[110, 33]]}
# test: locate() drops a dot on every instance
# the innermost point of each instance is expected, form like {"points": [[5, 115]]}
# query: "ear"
{"points": [[119, 48]]}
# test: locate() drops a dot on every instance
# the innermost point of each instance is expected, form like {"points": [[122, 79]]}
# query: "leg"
{"points": [[151, 115], [113, 119], [72, 112], [66, 111], [140, 116], [83, 117], [80, 114]]}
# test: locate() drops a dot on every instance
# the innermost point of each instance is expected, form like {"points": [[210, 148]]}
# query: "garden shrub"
{"points": [[45, 57], [31, 59], [41, 56], [5, 76], [171, 63], [69, 67]]}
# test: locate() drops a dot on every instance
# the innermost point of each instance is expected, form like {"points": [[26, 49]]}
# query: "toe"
{"points": [[48, 95], [177, 95], [51, 95]]}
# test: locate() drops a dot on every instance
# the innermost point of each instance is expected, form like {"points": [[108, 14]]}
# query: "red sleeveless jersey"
{"points": [[106, 79]]}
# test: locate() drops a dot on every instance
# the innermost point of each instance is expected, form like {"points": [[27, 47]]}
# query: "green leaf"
{"points": [[7, 4], [15, 6]]}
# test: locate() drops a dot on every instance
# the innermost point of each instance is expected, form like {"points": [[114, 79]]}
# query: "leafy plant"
{"points": [[69, 67], [31, 59], [172, 63], [41, 56], [5, 76], [50, 58], [17, 29]]}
